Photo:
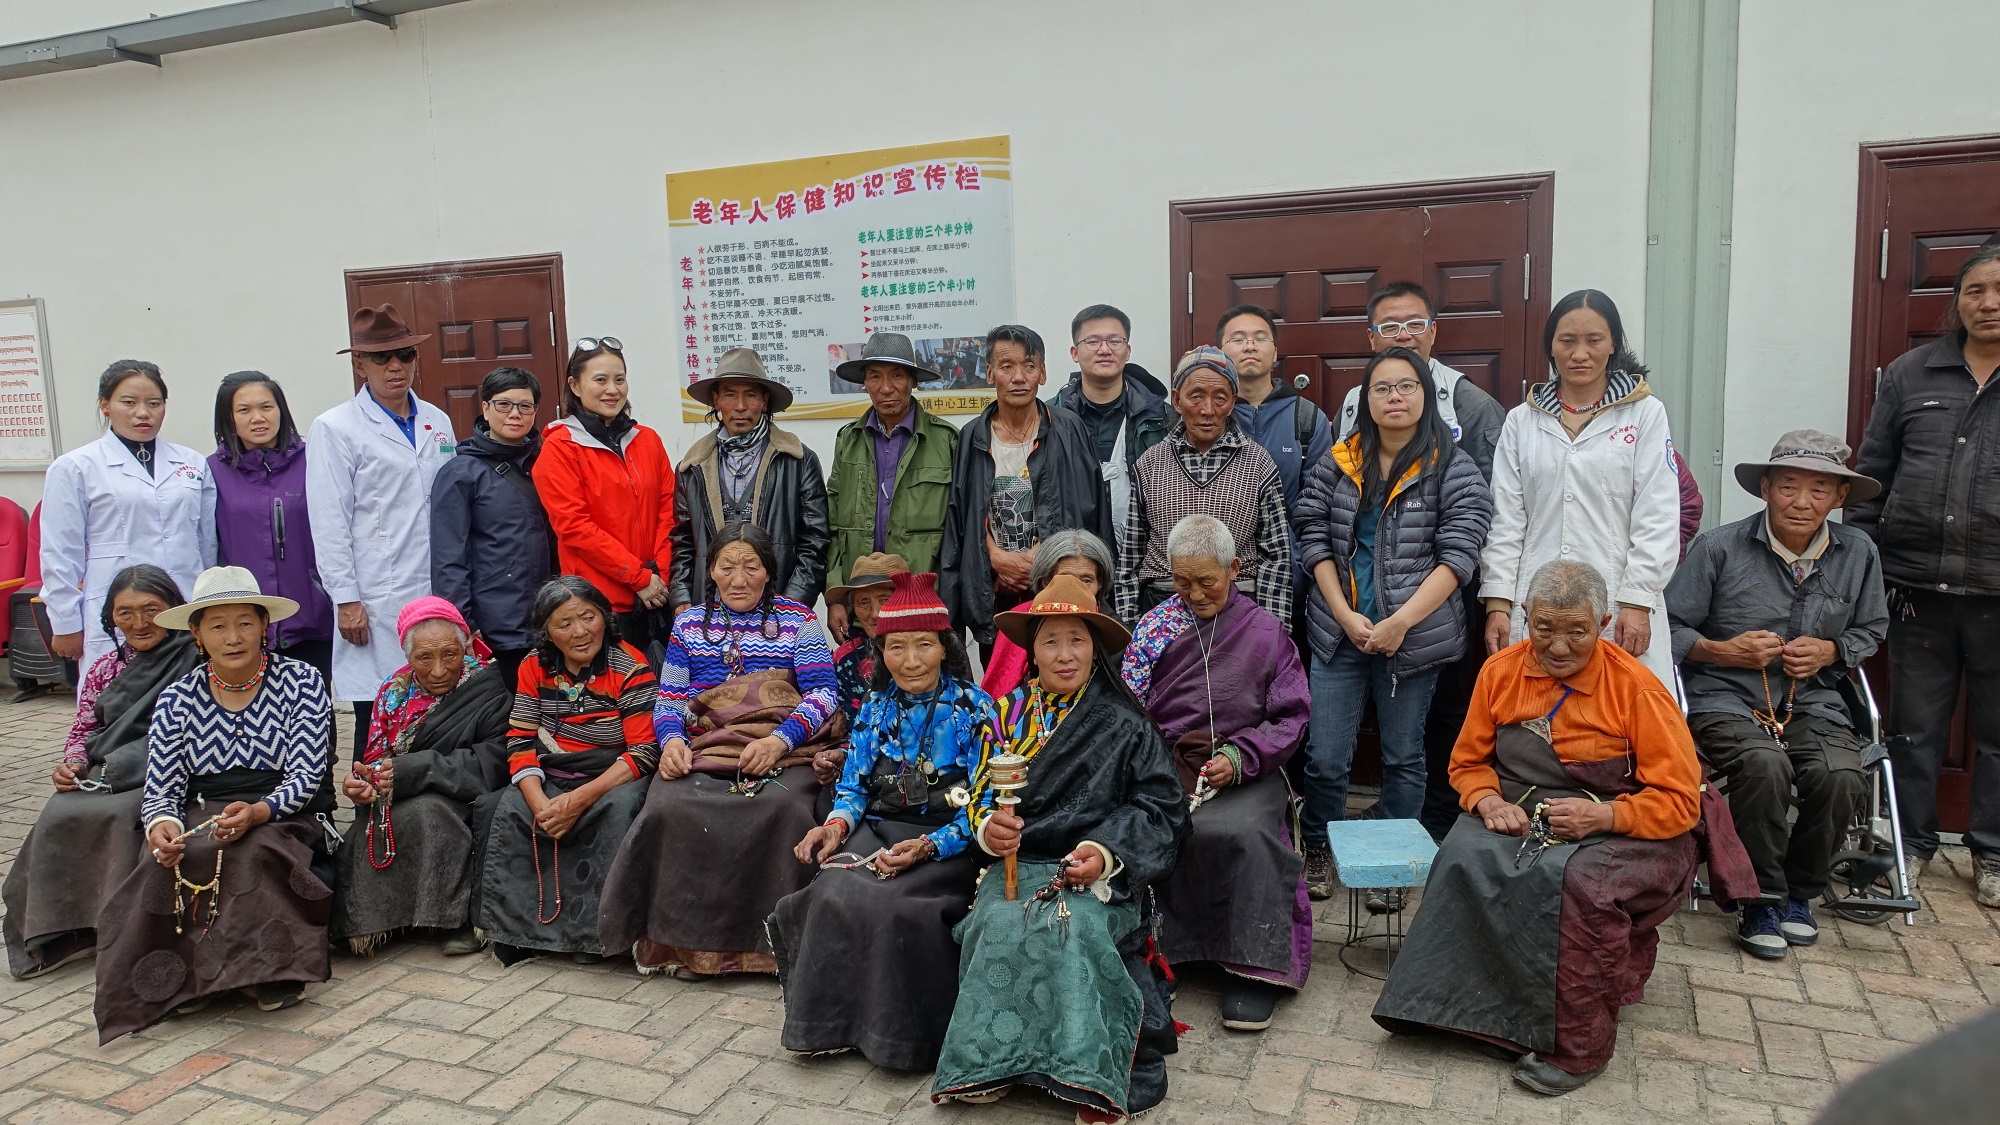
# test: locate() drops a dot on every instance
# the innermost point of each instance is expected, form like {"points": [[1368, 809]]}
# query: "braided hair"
{"points": [[144, 578], [758, 540]]}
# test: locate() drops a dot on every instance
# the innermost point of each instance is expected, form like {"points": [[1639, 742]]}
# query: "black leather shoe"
{"points": [[1248, 1005], [1542, 1078]]}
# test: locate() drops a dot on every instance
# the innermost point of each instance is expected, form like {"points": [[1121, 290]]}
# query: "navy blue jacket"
{"points": [[491, 547]]}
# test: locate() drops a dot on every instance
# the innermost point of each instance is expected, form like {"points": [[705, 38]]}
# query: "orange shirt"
{"points": [[1617, 703]]}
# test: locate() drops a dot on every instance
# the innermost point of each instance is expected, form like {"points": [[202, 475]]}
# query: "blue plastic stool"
{"points": [[1371, 855]]}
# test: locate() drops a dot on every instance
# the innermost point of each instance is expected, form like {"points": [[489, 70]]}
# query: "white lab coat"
{"points": [[1610, 498], [102, 512], [369, 493]]}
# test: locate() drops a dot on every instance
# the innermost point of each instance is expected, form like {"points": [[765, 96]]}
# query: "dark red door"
{"points": [[481, 315], [1925, 207], [1480, 247]]}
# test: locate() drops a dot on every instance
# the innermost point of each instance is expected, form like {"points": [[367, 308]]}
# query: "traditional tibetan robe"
{"points": [[408, 859], [1233, 686], [1064, 989], [85, 842], [1537, 948], [867, 962]]}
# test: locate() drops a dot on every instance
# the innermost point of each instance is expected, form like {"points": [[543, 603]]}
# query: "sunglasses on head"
{"points": [[598, 344], [381, 359]]}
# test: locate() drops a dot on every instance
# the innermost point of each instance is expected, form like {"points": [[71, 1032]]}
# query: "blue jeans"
{"points": [[1341, 688]]}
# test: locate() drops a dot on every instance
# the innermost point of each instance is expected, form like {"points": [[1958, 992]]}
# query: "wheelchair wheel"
{"points": [[1858, 875]]}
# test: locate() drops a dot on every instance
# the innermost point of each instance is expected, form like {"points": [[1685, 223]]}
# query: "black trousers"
{"points": [[1818, 772], [1936, 642], [1449, 703]]}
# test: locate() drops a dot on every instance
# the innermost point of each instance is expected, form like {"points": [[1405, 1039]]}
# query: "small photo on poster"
{"points": [[959, 363]]}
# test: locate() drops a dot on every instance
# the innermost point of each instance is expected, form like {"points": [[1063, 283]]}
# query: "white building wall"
{"points": [[1816, 79], [201, 215]]}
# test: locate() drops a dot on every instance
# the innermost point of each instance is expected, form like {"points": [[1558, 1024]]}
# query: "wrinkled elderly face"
{"points": [[1205, 401], [913, 659], [867, 603], [437, 656], [888, 386], [132, 613], [739, 575], [740, 405], [1979, 303], [1203, 583], [576, 629], [1563, 637], [1797, 502]]}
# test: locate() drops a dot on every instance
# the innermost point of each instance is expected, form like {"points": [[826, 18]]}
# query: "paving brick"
{"points": [[1373, 1085], [1748, 984], [176, 1109], [1793, 1050], [356, 1108], [344, 1081], [618, 1113], [1723, 1015], [523, 1044], [54, 1110], [522, 1082], [86, 1082], [717, 1075], [1923, 988], [1812, 1015], [434, 1080], [625, 1083], [421, 1111], [432, 1046], [230, 1111], [515, 1014], [608, 1014], [611, 1046], [1695, 1048], [548, 1108], [168, 1082], [24, 1071], [1911, 1021], [440, 1014], [1832, 986], [1772, 1089], [258, 1080], [277, 1047]]}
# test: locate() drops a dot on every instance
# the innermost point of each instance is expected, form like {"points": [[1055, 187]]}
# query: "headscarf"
{"points": [[738, 455], [403, 702]]}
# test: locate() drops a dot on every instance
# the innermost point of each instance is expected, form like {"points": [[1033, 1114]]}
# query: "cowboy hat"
{"points": [[1809, 451], [868, 570], [743, 364], [379, 329], [1064, 596], [884, 347], [225, 585]]}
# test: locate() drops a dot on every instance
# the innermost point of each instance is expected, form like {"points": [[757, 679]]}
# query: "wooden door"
{"points": [[497, 312], [1480, 246], [1924, 208]]}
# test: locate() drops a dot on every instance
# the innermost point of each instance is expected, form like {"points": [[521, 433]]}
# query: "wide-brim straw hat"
{"points": [[1064, 596], [225, 585], [1809, 451], [877, 569], [746, 365]]}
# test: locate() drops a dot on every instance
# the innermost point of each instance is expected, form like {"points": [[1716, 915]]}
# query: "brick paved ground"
{"points": [[411, 1036]]}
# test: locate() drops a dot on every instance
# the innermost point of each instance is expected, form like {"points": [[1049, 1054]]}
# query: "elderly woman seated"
{"points": [[1059, 985], [580, 733], [236, 777], [86, 840], [1219, 675], [746, 701], [437, 742], [1080, 555], [866, 588], [1583, 794], [865, 953]]}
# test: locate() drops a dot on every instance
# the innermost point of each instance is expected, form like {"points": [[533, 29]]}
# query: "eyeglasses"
{"points": [[381, 359], [1406, 388], [1389, 328], [1093, 343], [506, 407], [598, 344], [1240, 339]]}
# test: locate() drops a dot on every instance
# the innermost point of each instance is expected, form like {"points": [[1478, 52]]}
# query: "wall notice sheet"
{"points": [[27, 414], [803, 259]]}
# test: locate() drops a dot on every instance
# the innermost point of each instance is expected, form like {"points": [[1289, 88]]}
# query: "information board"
{"points": [[803, 259], [28, 437]]}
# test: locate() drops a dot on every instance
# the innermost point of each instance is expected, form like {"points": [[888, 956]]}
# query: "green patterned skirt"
{"points": [[1042, 1002]]}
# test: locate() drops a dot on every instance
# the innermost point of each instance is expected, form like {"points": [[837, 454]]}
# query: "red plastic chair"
{"points": [[30, 659]]}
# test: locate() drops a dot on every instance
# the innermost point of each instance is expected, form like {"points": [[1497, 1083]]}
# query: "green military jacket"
{"points": [[917, 507]]}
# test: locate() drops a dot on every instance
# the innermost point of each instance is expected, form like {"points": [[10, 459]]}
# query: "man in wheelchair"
{"points": [[1768, 615]]}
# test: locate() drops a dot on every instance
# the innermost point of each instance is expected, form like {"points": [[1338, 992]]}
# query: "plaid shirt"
{"points": [[1270, 565]]}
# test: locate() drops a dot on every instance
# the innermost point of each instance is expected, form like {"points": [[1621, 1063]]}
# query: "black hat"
{"points": [[884, 347]]}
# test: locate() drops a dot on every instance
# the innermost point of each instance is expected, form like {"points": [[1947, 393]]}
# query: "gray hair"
{"points": [[410, 638], [1569, 585], [1201, 536], [1071, 544]]}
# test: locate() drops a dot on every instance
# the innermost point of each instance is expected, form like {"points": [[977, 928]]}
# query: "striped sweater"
{"points": [[711, 644], [603, 719]]}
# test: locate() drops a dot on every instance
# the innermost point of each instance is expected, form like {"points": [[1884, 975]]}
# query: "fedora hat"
{"points": [[379, 329], [1809, 451], [884, 347], [746, 365], [225, 585], [1064, 596], [869, 570]]}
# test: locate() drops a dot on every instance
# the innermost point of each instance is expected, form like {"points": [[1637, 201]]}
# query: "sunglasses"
{"points": [[381, 359], [598, 344]]}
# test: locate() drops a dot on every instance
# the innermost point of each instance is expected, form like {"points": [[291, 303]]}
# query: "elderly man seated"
{"points": [[1539, 920], [1768, 613], [1218, 674]]}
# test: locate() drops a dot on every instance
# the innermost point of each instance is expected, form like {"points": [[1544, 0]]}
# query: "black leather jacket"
{"points": [[791, 505]]}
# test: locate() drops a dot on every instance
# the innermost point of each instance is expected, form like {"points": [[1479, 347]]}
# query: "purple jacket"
{"points": [[262, 526]]}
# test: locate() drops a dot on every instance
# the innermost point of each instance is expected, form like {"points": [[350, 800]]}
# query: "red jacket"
{"points": [[612, 515]]}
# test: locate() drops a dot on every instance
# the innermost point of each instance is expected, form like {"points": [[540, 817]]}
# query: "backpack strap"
{"points": [[518, 479], [1305, 418]]}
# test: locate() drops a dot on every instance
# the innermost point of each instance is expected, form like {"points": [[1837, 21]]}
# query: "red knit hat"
{"points": [[914, 607]]}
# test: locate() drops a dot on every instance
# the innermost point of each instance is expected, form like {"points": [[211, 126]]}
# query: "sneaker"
{"points": [[1319, 872], [1797, 925], [1384, 902], [1758, 933], [1986, 883], [1248, 1005]]}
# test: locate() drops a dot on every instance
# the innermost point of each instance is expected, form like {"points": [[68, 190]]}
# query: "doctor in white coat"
{"points": [[369, 464], [128, 497], [1585, 473]]}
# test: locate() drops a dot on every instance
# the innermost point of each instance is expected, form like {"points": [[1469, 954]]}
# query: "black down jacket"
{"points": [[791, 505], [491, 548], [1439, 518]]}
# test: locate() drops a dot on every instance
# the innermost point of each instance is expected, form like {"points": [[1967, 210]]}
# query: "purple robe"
{"points": [[249, 497], [1261, 704]]}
